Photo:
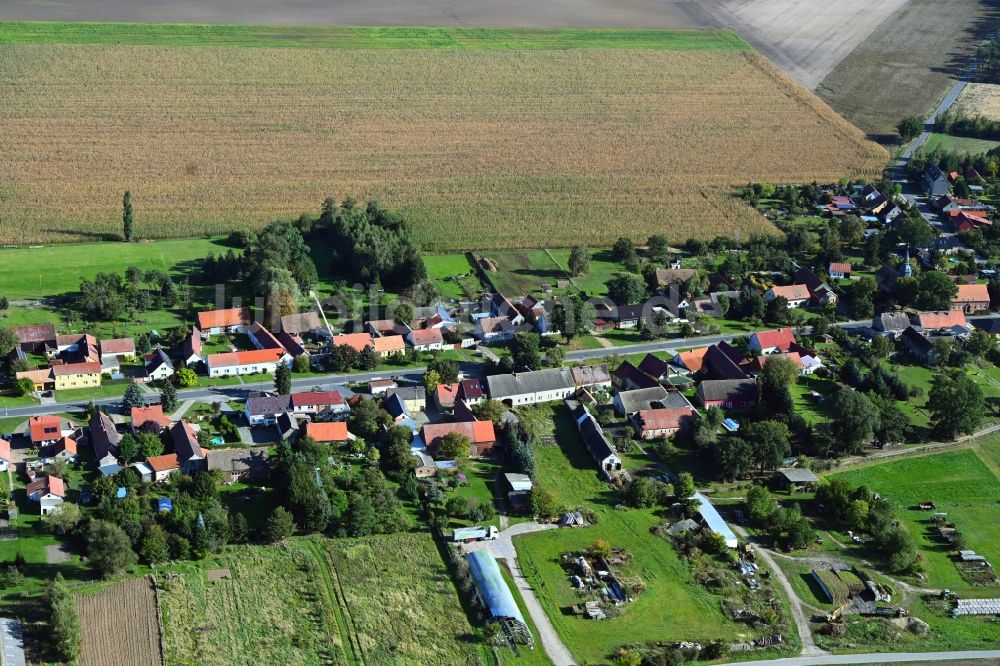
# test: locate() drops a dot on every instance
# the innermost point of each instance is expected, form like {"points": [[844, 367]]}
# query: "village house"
{"points": [[797, 295], [216, 322], [929, 322], [592, 376], [65, 448], [76, 375], [444, 397], [657, 423], [44, 430], [104, 437], [389, 345], [734, 394], [306, 325], [48, 491], [425, 339], [528, 388], [839, 271], [920, 347], [190, 347], [772, 342], [501, 306], [596, 442], [413, 397], [665, 277], [246, 362], [935, 183], [264, 409], [356, 341], [240, 465], [158, 365], [190, 455], [971, 298], [163, 466], [991, 325], [627, 403], [491, 330], [5, 459], [149, 419], [690, 361], [324, 404], [622, 316], [627, 377], [655, 367], [890, 324], [117, 350], [481, 435], [379, 386], [327, 432]]}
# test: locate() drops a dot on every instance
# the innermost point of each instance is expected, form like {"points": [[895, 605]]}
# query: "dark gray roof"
{"points": [[916, 342], [991, 325], [591, 374], [891, 321], [103, 435], [654, 366], [639, 399], [409, 392], [628, 373], [185, 442], [157, 358], [728, 389], [594, 439], [798, 474], [395, 406], [720, 363], [268, 405], [551, 379], [242, 461]]}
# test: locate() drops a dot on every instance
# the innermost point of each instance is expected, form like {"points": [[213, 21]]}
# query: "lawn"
{"points": [[958, 144], [965, 484], [317, 601], [672, 607], [453, 275], [482, 477], [521, 272]]}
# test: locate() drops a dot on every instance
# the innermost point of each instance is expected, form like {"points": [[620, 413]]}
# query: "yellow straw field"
{"points": [[481, 149]]}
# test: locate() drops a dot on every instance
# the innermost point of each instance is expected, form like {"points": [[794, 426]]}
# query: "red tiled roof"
{"points": [[426, 336], [793, 292], [318, 398], [930, 321], [222, 318], [151, 415], [389, 343], [782, 338], [479, 432], [66, 444], [90, 368], [758, 363], [670, 418], [163, 463], [334, 431], [840, 267], [56, 486], [972, 293], [356, 341], [4, 449], [35, 333], [446, 394], [47, 485], [694, 359], [245, 357], [118, 346], [44, 428]]}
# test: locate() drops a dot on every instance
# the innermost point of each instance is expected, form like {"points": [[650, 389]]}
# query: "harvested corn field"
{"points": [[120, 626], [481, 149]]}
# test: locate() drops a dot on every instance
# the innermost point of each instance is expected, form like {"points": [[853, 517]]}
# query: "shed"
{"points": [[798, 475], [714, 521], [518, 482]]}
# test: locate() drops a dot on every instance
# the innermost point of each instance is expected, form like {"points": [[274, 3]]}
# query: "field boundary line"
{"points": [[159, 616], [559, 266], [337, 606]]}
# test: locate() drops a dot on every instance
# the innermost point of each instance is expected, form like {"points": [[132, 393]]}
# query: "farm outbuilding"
{"points": [[492, 591], [714, 521]]}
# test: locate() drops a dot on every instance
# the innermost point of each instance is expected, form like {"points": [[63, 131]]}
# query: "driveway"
{"points": [[503, 549]]}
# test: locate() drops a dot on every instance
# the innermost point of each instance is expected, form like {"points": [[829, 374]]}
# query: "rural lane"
{"points": [[809, 647], [874, 658]]}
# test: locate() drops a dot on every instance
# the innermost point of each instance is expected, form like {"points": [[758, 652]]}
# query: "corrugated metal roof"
{"points": [[492, 588], [714, 520]]}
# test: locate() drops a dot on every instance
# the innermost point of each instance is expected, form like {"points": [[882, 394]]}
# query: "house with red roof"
{"points": [[190, 347], [481, 435], [48, 429], [117, 350], [444, 396], [839, 270], [163, 466], [934, 321], [425, 339], [5, 458], [65, 448], [310, 403], [356, 341], [389, 345], [149, 419], [190, 455], [691, 360], [772, 342], [263, 361], [658, 423], [330, 432], [48, 491], [971, 298], [797, 295], [230, 320], [967, 220]]}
